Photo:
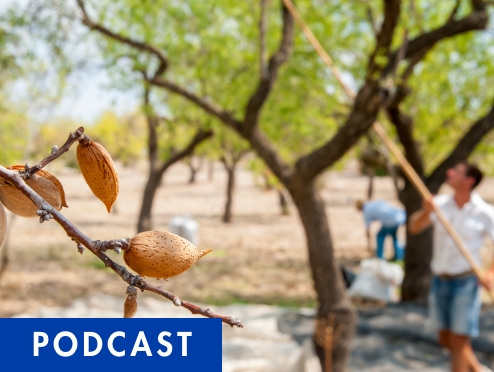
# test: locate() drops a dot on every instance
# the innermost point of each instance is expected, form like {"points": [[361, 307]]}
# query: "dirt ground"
{"points": [[261, 257]]}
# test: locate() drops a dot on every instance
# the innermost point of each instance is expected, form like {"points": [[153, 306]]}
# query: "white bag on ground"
{"points": [[185, 227], [377, 280]]}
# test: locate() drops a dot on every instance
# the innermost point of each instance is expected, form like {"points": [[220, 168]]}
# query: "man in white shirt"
{"points": [[390, 217], [454, 298]]}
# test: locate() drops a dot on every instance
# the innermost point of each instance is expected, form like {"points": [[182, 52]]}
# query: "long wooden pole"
{"points": [[407, 168]]}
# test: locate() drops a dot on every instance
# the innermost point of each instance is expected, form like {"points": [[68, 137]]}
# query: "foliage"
{"points": [[124, 137], [13, 136]]}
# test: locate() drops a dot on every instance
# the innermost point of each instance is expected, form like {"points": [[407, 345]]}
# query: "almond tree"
{"points": [[231, 150], [157, 168]]}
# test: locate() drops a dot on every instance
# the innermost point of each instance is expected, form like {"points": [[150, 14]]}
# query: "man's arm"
{"points": [[421, 219]]}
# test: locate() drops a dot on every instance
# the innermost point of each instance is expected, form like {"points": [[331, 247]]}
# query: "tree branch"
{"points": [[413, 61], [262, 41], [152, 122], [256, 138], [366, 106], [454, 11], [462, 150], [209, 107], [266, 83], [404, 129], [200, 136], [477, 20], [370, 17], [479, 5], [55, 153], [392, 10], [98, 248], [124, 40]]}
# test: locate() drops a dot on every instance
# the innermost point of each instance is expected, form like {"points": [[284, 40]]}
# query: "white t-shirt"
{"points": [[473, 222]]}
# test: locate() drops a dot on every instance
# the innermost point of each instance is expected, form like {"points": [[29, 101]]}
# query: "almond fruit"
{"points": [[16, 202], [130, 304], [49, 177], [99, 171], [3, 225], [159, 254]]}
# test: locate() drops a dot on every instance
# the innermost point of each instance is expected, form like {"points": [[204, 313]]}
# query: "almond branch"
{"points": [[46, 212], [56, 152]]}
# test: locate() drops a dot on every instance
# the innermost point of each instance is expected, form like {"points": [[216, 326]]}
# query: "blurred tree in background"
{"points": [[124, 137], [232, 150]]}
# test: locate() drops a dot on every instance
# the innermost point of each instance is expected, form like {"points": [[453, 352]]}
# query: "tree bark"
{"points": [[154, 179], [370, 185], [285, 210], [153, 183], [192, 178], [193, 172], [193, 168], [227, 214], [328, 282], [418, 252]]}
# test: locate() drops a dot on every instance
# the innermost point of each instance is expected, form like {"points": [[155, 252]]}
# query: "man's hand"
{"points": [[488, 280], [428, 205], [421, 219]]}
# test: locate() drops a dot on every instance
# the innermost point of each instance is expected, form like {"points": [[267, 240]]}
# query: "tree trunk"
{"points": [[156, 173], [193, 172], [285, 211], [152, 185], [370, 187], [227, 215], [418, 252], [193, 168], [335, 309]]}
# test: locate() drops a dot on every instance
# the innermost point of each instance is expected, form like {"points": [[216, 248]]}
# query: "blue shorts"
{"points": [[454, 305]]}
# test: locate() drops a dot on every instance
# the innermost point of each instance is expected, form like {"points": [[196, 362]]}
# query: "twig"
{"points": [[98, 248], [86, 20], [55, 153], [455, 10]]}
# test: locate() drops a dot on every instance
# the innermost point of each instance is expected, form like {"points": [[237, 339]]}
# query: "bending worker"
{"points": [[454, 298], [391, 218]]}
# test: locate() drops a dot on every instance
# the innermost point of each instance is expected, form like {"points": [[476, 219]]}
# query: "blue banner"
{"points": [[93, 345]]}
